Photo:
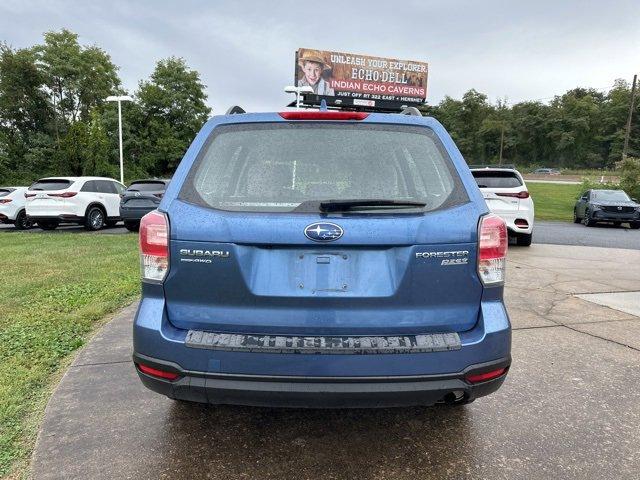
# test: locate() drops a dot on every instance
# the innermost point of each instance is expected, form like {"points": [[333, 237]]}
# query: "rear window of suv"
{"points": [[493, 179], [146, 187], [275, 167], [6, 191], [52, 184]]}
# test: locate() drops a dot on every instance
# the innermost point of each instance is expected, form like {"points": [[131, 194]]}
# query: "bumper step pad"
{"points": [[437, 342]]}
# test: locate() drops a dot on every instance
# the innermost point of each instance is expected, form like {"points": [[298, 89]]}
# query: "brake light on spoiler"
{"points": [[154, 247], [323, 115], [492, 250]]}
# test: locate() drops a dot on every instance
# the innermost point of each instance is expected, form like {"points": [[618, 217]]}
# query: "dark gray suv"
{"points": [[615, 206], [140, 198]]}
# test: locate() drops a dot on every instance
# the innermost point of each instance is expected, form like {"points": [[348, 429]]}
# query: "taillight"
{"points": [[484, 377], [524, 194], [154, 372], [492, 249], [154, 247], [5, 200], [63, 195], [29, 195], [324, 115]]}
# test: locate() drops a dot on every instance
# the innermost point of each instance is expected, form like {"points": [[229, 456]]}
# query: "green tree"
{"points": [[575, 127], [77, 78], [25, 115], [71, 155], [97, 150], [170, 111], [529, 134]]}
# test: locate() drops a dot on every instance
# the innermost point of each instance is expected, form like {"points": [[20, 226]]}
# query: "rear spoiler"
{"points": [[504, 165]]}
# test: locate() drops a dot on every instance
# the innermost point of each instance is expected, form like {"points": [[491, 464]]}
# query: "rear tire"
{"points": [[22, 221], [132, 226], [48, 224], [111, 223], [524, 239], [94, 219]]}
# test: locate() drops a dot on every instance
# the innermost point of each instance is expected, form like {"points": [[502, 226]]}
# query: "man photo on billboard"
{"points": [[313, 68]]}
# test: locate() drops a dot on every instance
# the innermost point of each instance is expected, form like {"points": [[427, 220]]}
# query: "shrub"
{"points": [[630, 176]]}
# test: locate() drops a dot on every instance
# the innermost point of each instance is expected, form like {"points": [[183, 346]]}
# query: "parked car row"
{"points": [[94, 202]]}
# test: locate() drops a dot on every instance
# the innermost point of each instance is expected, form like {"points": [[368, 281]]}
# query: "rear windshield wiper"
{"points": [[339, 205]]}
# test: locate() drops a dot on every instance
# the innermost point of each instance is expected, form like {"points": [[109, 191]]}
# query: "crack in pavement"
{"points": [[101, 363], [578, 331]]}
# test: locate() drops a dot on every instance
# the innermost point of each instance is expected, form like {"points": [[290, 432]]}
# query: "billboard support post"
{"points": [[298, 91]]}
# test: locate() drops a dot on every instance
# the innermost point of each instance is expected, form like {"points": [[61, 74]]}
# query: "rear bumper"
{"points": [[130, 214], [8, 214], [319, 380], [319, 392], [511, 218]]}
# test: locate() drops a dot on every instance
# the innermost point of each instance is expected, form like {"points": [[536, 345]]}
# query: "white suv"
{"points": [[89, 201], [12, 209], [507, 196]]}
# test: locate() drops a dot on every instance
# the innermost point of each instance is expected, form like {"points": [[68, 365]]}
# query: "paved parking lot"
{"points": [[570, 407], [601, 235]]}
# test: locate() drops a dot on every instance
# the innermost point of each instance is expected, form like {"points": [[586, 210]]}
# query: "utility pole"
{"points": [[628, 129], [501, 144]]}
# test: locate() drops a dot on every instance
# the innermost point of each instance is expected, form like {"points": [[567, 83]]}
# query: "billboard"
{"points": [[362, 79]]}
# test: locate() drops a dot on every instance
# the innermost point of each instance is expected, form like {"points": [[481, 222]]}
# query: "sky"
{"points": [[244, 50]]}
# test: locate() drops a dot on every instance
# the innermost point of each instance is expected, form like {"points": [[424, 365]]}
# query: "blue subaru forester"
{"points": [[322, 259]]}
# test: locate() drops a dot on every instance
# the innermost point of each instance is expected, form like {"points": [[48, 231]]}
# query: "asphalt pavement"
{"points": [[568, 409], [604, 235]]}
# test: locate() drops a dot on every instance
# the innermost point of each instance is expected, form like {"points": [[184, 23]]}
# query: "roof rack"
{"points": [[235, 109], [357, 104], [504, 165], [411, 111]]}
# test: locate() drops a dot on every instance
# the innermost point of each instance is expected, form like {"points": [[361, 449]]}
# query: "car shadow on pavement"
{"points": [[234, 442]]}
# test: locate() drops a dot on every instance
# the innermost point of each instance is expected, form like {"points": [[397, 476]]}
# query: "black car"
{"points": [[607, 206], [140, 198]]}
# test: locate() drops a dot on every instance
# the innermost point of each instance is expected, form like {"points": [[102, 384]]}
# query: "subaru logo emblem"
{"points": [[323, 232], [619, 208]]}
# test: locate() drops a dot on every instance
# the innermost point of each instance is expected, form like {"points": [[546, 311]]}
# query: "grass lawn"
{"points": [[553, 202], [55, 290]]}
